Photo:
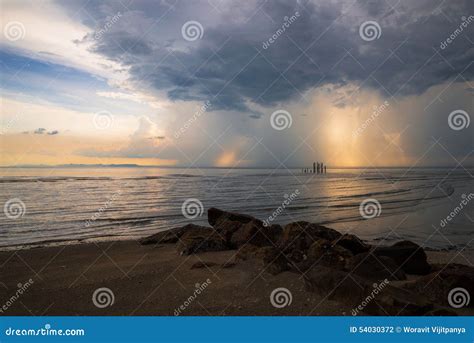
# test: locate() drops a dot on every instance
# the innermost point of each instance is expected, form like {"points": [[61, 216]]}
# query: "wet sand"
{"points": [[155, 280]]}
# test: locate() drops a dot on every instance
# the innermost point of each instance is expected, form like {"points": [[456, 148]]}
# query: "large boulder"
{"points": [[255, 233], [438, 285], [215, 214], [201, 239], [227, 228], [167, 237], [373, 267], [301, 235], [408, 255], [362, 295], [323, 252], [352, 243]]}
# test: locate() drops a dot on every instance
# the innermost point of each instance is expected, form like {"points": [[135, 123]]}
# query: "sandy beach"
{"points": [[156, 280]]}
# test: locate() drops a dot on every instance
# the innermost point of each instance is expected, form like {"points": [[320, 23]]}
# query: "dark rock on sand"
{"points": [[169, 236], [300, 235], [323, 252], [352, 243], [373, 267], [215, 214], [410, 256], [201, 239], [274, 261], [227, 228], [356, 291], [255, 233], [437, 285]]}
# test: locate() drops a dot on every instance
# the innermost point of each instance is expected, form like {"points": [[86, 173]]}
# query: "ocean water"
{"points": [[41, 206]]}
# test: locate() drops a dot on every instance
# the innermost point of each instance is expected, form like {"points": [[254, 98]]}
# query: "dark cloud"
{"points": [[230, 66]]}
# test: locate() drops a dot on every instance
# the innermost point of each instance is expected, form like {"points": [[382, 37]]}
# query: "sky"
{"points": [[237, 83]]}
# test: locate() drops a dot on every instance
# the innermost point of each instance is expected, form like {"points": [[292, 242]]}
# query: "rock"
{"points": [[408, 255], [323, 252], [203, 264], [300, 235], [228, 265], [437, 285], [215, 214], [256, 234], [168, 236], [352, 243], [201, 239], [362, 295], [373, 267], [227, 227], [335, 284]]}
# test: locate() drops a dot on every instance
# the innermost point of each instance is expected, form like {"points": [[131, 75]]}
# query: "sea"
{"points": [[433, 207]]}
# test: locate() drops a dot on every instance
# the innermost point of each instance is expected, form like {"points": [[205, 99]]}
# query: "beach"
{"points": [[156, 280]]}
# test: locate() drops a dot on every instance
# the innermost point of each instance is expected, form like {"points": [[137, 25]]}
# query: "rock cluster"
{"points": [[337, 266]]}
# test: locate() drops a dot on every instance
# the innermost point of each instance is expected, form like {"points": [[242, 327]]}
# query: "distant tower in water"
{"points": [[324, 169], [314, 167]]}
